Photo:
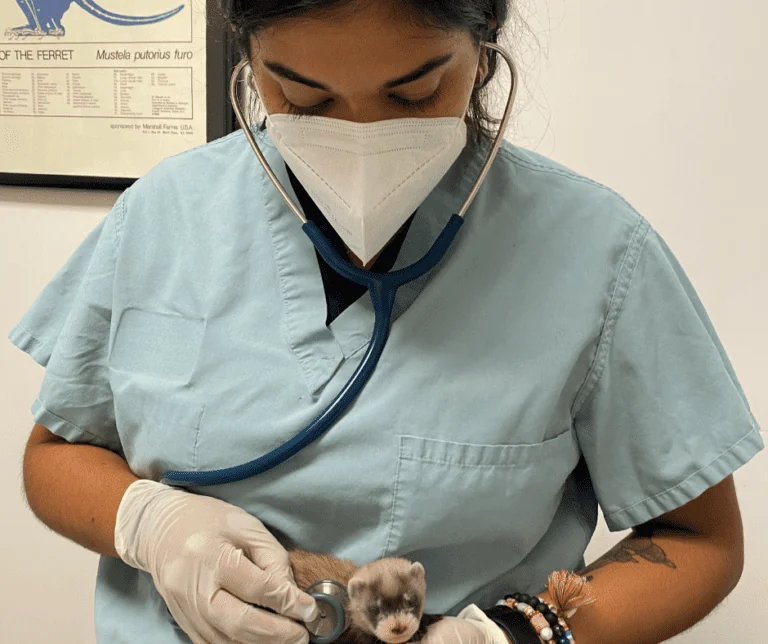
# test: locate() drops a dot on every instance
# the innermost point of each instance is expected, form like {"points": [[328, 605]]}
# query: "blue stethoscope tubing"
{"points": [[382, 288]]}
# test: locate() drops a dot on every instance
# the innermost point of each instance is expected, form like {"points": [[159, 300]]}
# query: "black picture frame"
{"points": [[221, 59]]}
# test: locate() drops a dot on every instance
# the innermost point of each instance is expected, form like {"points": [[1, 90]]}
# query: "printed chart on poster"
{"points": [[101, 88]]}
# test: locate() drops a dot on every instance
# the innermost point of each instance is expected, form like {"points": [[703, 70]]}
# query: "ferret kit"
{"points": [[384, 599]]}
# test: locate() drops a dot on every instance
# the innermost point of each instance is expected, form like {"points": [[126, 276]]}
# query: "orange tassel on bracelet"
{"points": [[569, 592]]}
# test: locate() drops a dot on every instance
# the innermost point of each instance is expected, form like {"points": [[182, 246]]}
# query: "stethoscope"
{"points": [[331, 596], [382, 287]]}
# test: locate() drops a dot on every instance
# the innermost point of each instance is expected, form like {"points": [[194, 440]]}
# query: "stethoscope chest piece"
{"points": [[332, 600]]}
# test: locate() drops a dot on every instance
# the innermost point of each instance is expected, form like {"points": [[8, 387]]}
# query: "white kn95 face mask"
{"points": [[368, 178]]}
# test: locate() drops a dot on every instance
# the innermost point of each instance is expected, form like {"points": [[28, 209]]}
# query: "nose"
{"points": [[399, 629], [362, 110]]}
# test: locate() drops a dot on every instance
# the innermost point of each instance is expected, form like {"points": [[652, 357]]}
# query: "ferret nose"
{"points": [[399, 629]]}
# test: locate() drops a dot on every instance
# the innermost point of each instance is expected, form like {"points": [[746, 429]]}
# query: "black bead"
{"points": [[534, 603], [551, 617], [557, 630], [526, 599], [516, 596], [509, 596]]}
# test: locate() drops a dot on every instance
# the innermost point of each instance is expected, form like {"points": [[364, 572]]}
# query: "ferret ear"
{"points": [[355, 587], [416, 570]]}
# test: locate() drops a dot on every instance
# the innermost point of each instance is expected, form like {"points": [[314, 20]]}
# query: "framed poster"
{"points": [[93, 93]]}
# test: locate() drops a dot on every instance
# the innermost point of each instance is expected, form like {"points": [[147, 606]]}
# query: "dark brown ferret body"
{"points": [[386, 596]]}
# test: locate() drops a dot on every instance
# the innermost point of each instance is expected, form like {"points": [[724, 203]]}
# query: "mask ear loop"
{"points": [[251, 85], [477, 83]]}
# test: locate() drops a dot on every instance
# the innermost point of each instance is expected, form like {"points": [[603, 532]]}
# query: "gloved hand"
{"points": [[470, 626], [210, 561]]}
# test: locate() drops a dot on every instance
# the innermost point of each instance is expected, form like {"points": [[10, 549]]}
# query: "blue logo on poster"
{"points": [[44, 17]]}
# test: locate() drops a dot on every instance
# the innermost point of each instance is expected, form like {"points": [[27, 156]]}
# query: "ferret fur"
{"points": [[386, 596]]}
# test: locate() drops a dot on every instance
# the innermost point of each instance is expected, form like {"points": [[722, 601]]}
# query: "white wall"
{"points": [[664, 102]]}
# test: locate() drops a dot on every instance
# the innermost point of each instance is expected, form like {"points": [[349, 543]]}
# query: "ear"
{"points": [[483, 68], [355, 587], [416, 570]]}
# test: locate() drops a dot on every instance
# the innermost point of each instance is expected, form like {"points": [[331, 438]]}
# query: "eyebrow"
{"points": [[426, 68]]}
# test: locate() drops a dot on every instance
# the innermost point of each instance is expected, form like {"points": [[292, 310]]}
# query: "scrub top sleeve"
{"points": [[67, 330], [662, 416]]}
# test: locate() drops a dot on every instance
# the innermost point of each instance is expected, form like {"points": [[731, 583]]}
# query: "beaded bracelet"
{"points": [[549, 626], [569, 591]]}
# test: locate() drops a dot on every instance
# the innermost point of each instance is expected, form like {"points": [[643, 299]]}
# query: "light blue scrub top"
{"points": [[556, 360]]}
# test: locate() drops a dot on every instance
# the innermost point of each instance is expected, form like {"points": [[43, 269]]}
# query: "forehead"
{"points": [[390, 584], [376, 40]]}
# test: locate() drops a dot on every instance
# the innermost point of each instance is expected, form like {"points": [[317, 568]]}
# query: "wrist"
{"points": [[514, 625], [496, 633], [133, 513]]}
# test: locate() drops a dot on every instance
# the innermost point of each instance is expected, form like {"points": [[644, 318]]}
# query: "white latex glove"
{"points": [[210, 561], [470, 626]]}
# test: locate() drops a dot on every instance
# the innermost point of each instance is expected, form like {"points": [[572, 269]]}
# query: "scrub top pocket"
{"points": [[506, 493], [157, 411]]}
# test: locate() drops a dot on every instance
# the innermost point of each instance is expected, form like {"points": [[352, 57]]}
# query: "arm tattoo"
{"points": [[631, 550]]}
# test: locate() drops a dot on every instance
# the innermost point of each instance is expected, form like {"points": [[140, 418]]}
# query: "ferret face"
{"points": [[389, 596]]}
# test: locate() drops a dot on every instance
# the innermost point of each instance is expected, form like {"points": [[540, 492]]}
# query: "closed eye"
{"points": [[421, 105]]}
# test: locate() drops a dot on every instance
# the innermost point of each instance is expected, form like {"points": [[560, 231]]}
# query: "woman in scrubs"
{"points": [[557, 360]]}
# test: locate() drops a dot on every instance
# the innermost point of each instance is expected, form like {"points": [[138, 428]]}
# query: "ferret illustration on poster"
{"points": [[113, 86], [44, 17]]}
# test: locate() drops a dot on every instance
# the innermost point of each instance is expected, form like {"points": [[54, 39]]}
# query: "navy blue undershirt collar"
{"points": [[341, 293]]}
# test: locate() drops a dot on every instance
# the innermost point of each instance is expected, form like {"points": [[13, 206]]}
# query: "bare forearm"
{"points": [[654, 584], [76, 490]]}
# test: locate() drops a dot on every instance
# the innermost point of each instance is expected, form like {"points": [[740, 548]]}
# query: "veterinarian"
{"points": [[555, 360]]}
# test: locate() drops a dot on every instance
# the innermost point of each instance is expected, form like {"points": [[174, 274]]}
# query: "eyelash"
{"points": [[421, 106]]}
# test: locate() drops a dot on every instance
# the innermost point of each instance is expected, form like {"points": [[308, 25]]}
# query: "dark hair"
{"points": [[484, 19]]}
